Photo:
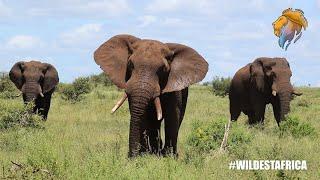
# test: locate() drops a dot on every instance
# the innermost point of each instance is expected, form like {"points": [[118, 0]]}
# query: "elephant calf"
{"points": [[155, 77], [264, 81], [37, 82]]}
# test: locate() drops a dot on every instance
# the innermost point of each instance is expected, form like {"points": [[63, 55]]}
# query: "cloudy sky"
{"points": [[228, 33]]}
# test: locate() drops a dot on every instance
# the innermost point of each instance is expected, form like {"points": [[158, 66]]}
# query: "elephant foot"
{"points": [[169, 152]]}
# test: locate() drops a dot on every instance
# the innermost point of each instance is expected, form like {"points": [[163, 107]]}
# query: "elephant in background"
{"points": [[155, 77], [264, 81], [37, 82]]}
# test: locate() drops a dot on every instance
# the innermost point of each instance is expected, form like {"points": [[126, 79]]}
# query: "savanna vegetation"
{"points": [[82, 140]]}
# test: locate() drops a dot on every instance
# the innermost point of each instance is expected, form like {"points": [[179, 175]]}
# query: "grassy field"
{"points": [[84, 141]]}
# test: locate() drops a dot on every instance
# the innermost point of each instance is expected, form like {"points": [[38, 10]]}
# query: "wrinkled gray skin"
{"points": [[252, 86], [33, 79], [148, 69]]}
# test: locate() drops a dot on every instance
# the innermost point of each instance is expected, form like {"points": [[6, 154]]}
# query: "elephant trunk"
{"points": [[31, 91], [285, 96], [138, 102]]}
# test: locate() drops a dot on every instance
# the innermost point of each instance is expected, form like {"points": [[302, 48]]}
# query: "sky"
{"points": [[227, 33]]}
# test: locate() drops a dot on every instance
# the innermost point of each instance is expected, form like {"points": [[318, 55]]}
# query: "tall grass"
{"points": [[82, 140]]}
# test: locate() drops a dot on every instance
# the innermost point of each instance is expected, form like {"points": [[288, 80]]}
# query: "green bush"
{"points": [[101, 78], [296, 128], [221, 86], [7, 88], [208, 137], [303, 103], [19, 117], [73, 92]]}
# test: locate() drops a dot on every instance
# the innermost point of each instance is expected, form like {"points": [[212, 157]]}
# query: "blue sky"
{"points": [[228, 33]]}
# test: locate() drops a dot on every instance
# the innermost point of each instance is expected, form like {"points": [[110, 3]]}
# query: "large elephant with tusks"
{"points": [[155, 77]]}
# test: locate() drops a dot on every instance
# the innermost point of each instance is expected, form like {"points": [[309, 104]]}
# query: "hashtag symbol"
{"points": [[232, 165]]}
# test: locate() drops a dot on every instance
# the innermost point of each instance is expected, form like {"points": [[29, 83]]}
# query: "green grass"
{"points": [[83, 140]]}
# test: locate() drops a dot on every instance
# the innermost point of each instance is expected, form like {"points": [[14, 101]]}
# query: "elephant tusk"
{"points": [[157, 103], [274, 93], [40, 91], [119, 103], [297, 93], [166, 64]]}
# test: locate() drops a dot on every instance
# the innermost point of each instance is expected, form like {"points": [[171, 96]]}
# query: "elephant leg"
{"points": [[234, 112], [171, 135], [174, 107], [263, 115], [46, 107], [151, 141], [258, 106], [251, 117], [259, 113], [43, 105], [276, 111], [234, 107], [154, 138]]}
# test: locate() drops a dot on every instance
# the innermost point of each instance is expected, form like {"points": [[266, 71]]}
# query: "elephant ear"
{"points": [[16, 74], [187, 67], [51, 78], [112, 56], [259, 69]]}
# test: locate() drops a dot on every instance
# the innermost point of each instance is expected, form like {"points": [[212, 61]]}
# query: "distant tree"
{"points": [[221, 86], [73, 92], [100, 79]]}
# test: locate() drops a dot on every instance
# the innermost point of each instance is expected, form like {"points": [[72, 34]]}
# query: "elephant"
{"points": [[37, 82], [264, 81], [155, 77]]}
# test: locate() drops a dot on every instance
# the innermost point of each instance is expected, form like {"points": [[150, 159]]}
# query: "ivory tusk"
{"points": [[40, 91], [165, 61], [119, 103], [274, 93], [157, 103], [297, 93]]}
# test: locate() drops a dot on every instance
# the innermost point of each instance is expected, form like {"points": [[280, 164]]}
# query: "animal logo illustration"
{"points": [[288, 26]]}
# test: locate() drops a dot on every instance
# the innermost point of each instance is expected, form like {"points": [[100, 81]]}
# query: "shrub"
{"points": [[220, 86], [7, 88], [81, 85], [19, 117], [100, 79], [296, 128], [303, 103], [73, 92], [207, 137]]}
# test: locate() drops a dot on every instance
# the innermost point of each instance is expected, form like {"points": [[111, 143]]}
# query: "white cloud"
{"points": [[151, 21], [24, 42], [206, 6], [102, 8], [4, 10], [82, 35], [174, 5], [147, 20]]}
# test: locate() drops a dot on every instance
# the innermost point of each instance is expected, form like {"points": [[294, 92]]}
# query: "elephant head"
{"points": [[33, 79], [271, 76], [146, 69]]}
